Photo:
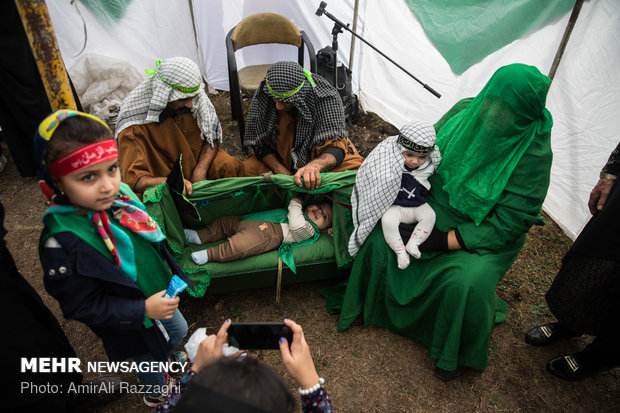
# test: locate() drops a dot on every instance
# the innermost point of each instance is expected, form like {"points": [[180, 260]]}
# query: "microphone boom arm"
{"points": [[321, 10]]}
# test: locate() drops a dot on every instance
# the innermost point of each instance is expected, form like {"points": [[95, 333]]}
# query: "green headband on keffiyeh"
{"points": [[184, 89], [181, 88], [283, 95]]}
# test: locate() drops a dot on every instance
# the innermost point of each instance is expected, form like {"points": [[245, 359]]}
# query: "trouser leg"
{"points": [[176, 329], [252, 238], [225, 166], [389, 223], [252, 166], [425, 218], [220, 228]]}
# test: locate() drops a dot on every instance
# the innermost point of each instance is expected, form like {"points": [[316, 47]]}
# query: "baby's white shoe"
{"points": [[192, 236], [200, 257], [403, 259], [413, 250]]}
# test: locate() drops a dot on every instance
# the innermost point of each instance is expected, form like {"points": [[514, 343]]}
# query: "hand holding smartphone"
{"points": [[258, 335]]}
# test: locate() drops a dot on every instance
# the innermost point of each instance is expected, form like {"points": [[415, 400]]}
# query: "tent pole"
{"points": [[355, 14], [201, 60], [38, 25], [565, 37]]}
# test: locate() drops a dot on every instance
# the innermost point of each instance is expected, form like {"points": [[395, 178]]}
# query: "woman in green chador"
{"points": [[487, 193]]}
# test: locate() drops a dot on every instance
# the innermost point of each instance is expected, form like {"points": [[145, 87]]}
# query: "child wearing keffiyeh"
{"points": [[392, 185], [102, 254]]}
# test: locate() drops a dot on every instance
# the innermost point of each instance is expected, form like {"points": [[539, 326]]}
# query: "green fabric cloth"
{"points": [[278, 215], [240, 196], [285, 252], [483, 144], [107, 12], [466, 31], [447, 300]]}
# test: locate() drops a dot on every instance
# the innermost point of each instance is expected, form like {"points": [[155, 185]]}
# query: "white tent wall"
{"points": [[149, 30], [585, 101], [215, 18], [398, 98], [583, 97]]}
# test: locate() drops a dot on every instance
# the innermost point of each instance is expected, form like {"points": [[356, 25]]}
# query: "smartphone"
{"points": [[258, 335]]}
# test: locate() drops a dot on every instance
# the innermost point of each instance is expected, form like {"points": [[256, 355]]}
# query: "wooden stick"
{"points": [[279, 282]]}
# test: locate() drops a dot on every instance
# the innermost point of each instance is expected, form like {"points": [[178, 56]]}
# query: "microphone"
{"points": [[321, 9]]}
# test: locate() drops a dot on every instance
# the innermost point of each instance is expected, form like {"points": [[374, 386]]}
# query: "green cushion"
{"points": [[238, 196]]}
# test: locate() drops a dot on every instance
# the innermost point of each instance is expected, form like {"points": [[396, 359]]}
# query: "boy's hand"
{"points": [[159, 308]]}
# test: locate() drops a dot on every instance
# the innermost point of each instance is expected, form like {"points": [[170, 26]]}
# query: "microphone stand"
{"points": [[338, 26], [335, 31]]}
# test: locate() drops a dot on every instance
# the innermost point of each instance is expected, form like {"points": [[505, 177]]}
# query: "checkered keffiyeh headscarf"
{"points": [[174, 79], [321, 115], [378, 179]]}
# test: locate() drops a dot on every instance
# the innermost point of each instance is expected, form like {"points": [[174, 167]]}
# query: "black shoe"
{"points": [[545, 334], [178, 357], [447, 375], [575, 367]]}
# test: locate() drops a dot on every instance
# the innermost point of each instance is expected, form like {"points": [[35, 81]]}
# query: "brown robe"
{"points": [[285, 140], [151, 149]]}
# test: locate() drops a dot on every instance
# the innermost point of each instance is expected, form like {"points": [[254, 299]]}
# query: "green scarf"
{"points": [[152, 275], [483, 144]]}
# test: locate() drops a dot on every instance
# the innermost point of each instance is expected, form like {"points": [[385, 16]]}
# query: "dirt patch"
{"points": [[367, 369]]}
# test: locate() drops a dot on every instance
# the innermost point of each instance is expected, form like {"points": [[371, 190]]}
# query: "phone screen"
{"points": [[258, 335]]}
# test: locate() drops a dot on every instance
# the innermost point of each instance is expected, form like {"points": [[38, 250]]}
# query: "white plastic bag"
{"points": [[102, 82], [191, 347]]}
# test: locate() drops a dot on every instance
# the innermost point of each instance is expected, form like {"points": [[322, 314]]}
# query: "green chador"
{"points": [[490, 187]]}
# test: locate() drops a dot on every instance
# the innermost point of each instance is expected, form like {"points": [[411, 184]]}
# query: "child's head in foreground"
{"points": [[417, 141], [320, 214], [230, 384], [78, 159]]}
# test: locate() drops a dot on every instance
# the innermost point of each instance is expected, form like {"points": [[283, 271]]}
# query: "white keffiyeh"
{"points": [[174, 79], [378, 179]]}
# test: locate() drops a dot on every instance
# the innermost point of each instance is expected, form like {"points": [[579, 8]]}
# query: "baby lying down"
{"points": [[249, 237]]}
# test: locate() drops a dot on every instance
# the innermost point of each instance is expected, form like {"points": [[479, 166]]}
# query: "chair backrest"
{"points": [[265, 28], [260, 28]]}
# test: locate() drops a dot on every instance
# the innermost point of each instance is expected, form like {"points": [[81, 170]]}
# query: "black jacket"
{"points": [[90, 288]]}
